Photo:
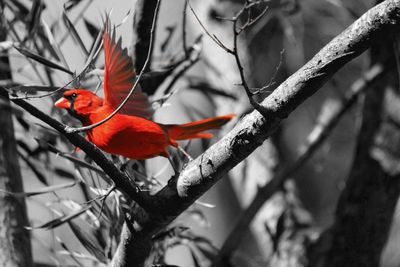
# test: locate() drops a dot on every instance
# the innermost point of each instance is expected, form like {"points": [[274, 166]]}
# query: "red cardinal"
{"points": [[130, 132]]}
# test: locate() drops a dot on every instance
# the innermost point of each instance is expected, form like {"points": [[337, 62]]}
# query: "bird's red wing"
{"points": [[119, 78]]}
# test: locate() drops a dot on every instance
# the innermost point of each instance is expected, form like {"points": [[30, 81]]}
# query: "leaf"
{"points": [[205, 204], [151, 80], [89, 241], [34, 16], [125, 18], [33, 88], [24, 146], [52, 45], [70, 253], [37, 173], [170, 32], [208, 252], [162, 101], [60, 220], [280, 226], [71, 4], [23, 122], [64, 173], [209, 89], [92, 29], [41, 191], [77, 161], [22, 9], [94, 52], [196, 261], [42, 60], [74, 33]]}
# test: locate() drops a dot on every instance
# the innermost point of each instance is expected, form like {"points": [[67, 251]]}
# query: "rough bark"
{"points": [[203, 172], [15, 244], [258, 168]]}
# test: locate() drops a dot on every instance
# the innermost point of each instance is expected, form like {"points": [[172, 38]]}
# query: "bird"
{"points": [[131, 132]]}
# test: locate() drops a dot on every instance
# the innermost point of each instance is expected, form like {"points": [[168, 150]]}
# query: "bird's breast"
{"points": [[130, 136]]}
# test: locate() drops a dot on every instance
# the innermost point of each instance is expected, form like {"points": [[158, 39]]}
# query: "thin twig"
{"points": [[235, 53], [316, 137], [122, 182], [212, 36], [190, 62], [251, 21], [272, 80], [89, 127], [33, 65], [89, 62], [76, 20], [103, 200]]}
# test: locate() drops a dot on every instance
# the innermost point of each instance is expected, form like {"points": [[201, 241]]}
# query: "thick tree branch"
{"points": [[203, 172], [326, 123]]}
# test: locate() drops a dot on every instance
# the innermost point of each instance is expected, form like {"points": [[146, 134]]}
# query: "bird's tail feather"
{"points": [[195, 129]]}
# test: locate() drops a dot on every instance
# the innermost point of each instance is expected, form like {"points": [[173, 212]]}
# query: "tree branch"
{"points": [[121, 181], [327, 121], [203, 172]]}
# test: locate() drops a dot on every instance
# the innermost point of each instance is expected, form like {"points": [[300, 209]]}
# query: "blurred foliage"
{"points": [[299, 28]]}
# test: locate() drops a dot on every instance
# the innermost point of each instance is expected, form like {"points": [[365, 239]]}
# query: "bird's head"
{"points": [[79, 103]]}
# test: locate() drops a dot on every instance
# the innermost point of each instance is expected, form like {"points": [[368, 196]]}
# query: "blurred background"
{"points": [[283, 39]]}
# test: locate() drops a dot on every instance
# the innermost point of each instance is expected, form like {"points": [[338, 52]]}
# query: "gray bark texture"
{"points": [[250, 132], [203, 172]]}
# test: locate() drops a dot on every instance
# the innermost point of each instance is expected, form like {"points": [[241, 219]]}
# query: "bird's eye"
{"points": [[74, 95]]}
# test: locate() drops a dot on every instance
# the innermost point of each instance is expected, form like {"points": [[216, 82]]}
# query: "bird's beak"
{"points": [[63, 103]]}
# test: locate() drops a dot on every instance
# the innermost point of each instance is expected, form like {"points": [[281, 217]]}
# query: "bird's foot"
{"points": [[185, 153]]}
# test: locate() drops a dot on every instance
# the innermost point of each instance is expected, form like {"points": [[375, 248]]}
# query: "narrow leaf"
{"points": [[207, 88], [42, 60], [74, 33], [89, 241], [92, 29], [34, 16], [71, 4], [77, 161], [44, 190], [60, 220], [64, 173], [53, 43], [32, 166], [33, 88], [196, 261], [70, 253]]}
